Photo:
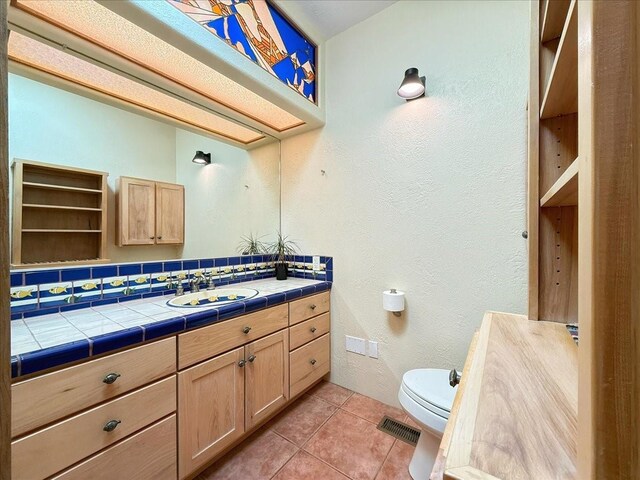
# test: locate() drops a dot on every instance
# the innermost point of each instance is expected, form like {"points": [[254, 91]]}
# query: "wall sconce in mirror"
{"points": [[413, 86], [202, 158]]}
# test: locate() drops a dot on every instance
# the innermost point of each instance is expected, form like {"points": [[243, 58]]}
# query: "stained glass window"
{"points": [[259, 31]]}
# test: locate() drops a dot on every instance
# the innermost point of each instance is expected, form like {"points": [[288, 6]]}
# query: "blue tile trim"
{"points": [[163, 328], [275, 299], [221, 262], [104, 272], [42, 276], [152, 267], [16, 316], [17, 279], [71, 274], [190, 264], [230, 310], [198, 319], [15, 366], [206, 263], [293, 294], [53, 356], [254, 304], [113, 341], [133, 269]]}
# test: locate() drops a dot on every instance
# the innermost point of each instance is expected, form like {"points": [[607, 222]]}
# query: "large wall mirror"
{"points": [[236, 196]]}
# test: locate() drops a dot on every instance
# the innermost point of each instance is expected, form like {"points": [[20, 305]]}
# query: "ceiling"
{"points": [[322, 19]]}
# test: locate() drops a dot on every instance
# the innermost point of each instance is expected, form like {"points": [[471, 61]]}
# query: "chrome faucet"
{"points": [[194, 284], [210, 283]]}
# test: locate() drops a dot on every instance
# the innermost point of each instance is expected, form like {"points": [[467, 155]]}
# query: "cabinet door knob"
{"points": [[151, 238], [110, 378], [313, 329], [251, 358], [242, 363], [159, 237], [312, 361], [312, 307], [111, 425], [246, 329]]}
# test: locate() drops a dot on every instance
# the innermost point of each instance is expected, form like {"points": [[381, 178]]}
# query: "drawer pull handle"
{"points": [[251, 358], [246, 329], [313, 329], [111, 425], [312, 307], [110, 378], [312, 361], [242, 363]]}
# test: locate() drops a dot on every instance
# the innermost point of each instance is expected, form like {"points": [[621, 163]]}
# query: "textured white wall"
{"points": [[220, 208], [427, 196]]}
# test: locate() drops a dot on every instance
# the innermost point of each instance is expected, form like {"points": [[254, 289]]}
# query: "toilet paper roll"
{"points": [[393, 301]]}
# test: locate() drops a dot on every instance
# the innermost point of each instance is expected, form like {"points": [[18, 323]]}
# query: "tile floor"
{"points": [[328, 434]]}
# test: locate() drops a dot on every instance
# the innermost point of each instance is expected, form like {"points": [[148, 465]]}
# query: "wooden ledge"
{"points": [[517, 417]]}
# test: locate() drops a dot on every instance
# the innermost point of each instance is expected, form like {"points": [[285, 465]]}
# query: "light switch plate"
{"points": [[316, 262], [373, 349], [355, 345]]}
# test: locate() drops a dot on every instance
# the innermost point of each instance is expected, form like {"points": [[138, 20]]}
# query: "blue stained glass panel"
{"points": [[259, 31]]}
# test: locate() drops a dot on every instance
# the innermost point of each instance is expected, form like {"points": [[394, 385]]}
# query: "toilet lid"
{"points": [[431, 388]]}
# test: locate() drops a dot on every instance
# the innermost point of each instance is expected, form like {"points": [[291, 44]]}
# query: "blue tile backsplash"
{"points": [[39, 292]]}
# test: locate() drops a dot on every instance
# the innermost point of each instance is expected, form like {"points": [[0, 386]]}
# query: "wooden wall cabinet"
{"points": [[149, 213], [59, 215]]}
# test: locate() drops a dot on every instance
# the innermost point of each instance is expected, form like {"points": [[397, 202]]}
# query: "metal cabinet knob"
{"points": [[160, 237], [454, 377], [111, 425], [251, 358], [312, 361], [313, 329], [151, 238], [246, 329], [110, 378], [312, 307], [242, 363]]}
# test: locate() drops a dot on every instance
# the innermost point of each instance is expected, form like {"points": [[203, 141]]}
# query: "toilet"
{"points": [[427, 397]]}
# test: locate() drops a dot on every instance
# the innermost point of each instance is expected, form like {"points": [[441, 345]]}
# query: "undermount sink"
{"points": [[212, 298]]}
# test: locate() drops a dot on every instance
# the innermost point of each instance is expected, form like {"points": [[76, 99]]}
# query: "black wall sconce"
{"points": [[202, 158], [413, 86]]}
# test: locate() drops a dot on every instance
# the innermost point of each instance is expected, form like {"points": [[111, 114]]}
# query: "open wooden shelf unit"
{"points": [[59, 215]]}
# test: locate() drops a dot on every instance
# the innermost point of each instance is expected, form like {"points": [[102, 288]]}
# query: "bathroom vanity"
{"points": [[169, 407]]}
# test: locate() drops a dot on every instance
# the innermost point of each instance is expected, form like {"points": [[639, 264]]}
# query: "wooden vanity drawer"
{"points": [[47, 398], [308, 307], [309, 363], [54, 448], [207, 342], [148, 455], [309, 330]]}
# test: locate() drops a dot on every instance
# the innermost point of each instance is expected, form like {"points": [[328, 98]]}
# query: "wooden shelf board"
{"points": [[522, 385], [564, 192], [555, 15], [561, 95], [62, 263], [60, 187], [61, 207], [50, 230]]}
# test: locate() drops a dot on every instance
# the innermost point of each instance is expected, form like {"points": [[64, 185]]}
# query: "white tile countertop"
{"points": [[41, 332]]}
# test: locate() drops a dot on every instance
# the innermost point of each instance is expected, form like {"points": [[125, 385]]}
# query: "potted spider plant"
{"points": [[280, 250], [251, 245]]}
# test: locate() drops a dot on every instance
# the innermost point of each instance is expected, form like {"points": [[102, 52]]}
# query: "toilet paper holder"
{"points": [[388, 305]]}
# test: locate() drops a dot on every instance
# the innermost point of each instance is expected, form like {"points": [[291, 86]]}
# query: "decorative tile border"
{"points": [[41, 292]]}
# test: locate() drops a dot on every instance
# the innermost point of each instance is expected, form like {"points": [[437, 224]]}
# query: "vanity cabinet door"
{"points": [[169, 213], [267, 376], [210, 409], [136, 212]]}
